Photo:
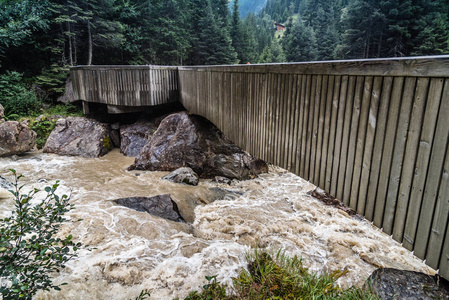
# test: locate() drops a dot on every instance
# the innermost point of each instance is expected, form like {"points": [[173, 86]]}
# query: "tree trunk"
{"points": [[89, 35]]}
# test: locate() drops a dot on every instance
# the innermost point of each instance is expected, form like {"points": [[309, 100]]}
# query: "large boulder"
{"points": [[135, 136], [161, 206], [79, 136], [399, 284], [15, 138], [184, 140]]}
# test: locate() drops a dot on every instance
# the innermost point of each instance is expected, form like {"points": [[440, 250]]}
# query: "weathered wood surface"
{"points": [[126, 85], [371, 133]]}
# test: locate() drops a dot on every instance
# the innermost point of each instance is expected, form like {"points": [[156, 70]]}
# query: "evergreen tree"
{"points": [[300, 43]]}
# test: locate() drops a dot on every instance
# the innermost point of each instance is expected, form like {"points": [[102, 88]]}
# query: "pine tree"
{"points": [[300, 43]]}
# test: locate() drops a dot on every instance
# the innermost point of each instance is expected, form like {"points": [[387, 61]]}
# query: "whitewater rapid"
{"points": [[131, 251]]}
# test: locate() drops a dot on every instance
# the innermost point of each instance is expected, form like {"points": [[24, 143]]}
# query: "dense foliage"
{"points": [[42, 38], [30, 248], [279, 277]]}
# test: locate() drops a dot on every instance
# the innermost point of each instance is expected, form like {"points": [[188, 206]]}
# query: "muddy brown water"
{"points": [[131, 250]]}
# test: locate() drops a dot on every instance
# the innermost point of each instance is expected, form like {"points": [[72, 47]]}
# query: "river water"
{"points": [[131, 251]]}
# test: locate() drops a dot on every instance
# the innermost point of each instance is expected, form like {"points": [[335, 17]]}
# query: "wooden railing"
{"points": [[126, 85], [373, 133]]}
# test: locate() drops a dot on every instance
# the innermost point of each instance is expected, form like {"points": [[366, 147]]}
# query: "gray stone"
{"points": [[183, 175], [161, 206], [5, 184], [16, 138], [79, 136], [399, 284], [135, 136], [184, 140]]}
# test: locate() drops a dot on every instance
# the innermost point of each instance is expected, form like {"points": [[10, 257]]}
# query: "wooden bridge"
{"points": [[373, 133]]}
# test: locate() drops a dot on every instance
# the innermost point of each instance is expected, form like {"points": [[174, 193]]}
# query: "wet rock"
{"points": [[184, 140], [15, 138], [135, 136], [5, 184], [400, 284], [221, 179], [332, 201], [79, 136], [183, 175], [161, 206]]}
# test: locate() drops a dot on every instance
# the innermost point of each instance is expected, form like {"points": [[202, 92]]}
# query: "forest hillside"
{"points": [[41, 39]]}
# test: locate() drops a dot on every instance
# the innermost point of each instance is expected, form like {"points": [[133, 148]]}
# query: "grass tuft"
{"points": [[277, 276]]}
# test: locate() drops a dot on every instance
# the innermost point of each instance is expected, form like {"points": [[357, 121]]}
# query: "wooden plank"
{"points": [[360, 141], [326, 133], [287, 124], [338, 134], [428, 66], [434, 173], [296, 131], [369, 144], [306, 99], [414, 134], [398, 154], [270, 117], [349, 103], [333, 111], [314, 133], [422, 161], [387, 153], [320, 131], [358, 94], [280, 115], [302, 115], [309, 140], [444, 260], [293, 117]]}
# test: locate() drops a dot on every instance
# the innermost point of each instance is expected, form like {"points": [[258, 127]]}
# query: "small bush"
{"points": [[15, 97], [29, 247], [43, 128]]}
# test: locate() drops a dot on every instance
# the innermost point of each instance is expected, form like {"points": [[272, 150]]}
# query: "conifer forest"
{"points": [[40, 39]]}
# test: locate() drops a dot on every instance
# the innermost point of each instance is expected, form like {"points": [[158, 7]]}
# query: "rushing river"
{"points": [[131, 251]]}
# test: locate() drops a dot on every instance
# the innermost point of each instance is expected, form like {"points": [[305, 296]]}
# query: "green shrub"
{"points": [[280, 277], [29, 247], [15, 97], [43, 128]]}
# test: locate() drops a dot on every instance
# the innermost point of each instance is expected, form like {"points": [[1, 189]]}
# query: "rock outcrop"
{"points": [[16, 138], [79, 136], [161, 206], [399, 284], [135, 136], [183, 175], [184, 140]]}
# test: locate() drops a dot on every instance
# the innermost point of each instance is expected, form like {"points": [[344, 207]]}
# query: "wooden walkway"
{"points": [[373, 133]]}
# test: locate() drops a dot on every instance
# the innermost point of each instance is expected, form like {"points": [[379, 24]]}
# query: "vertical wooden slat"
{"points": [[389, 138], [414, 133], [422, 162], [326, 133], [314, 126], [369, 142], [297, 131], [435, 170], [309, 138], [293, 116], [381, 123], [398, 153], [349, 100], [360, 141], [306, 99], [320, 130], [339, 135]]}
